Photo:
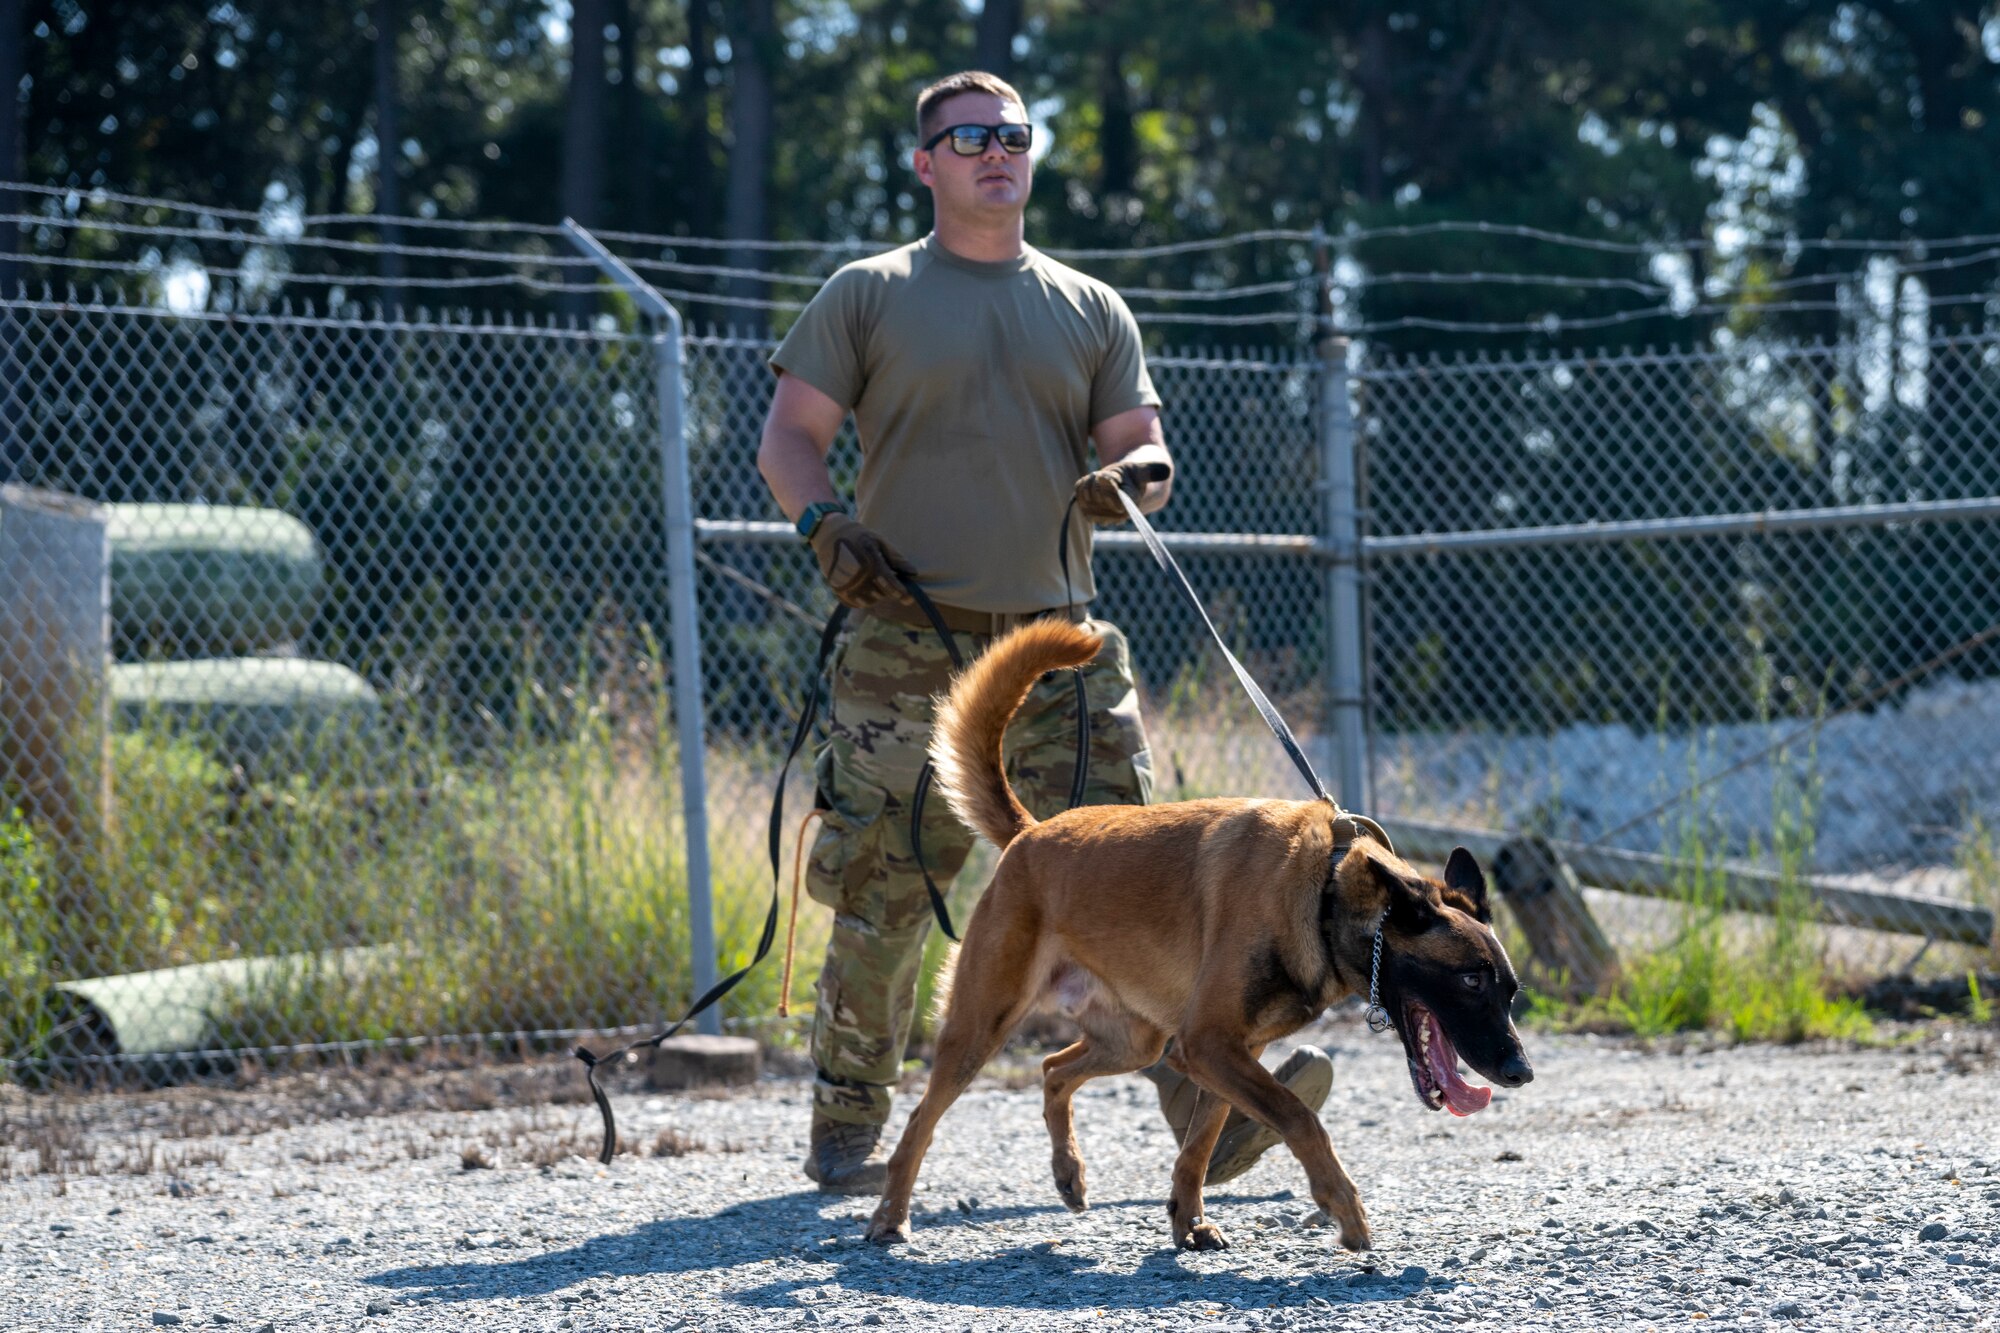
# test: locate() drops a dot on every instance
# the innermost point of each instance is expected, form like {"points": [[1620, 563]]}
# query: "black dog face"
{"points": [[1448, 986]]}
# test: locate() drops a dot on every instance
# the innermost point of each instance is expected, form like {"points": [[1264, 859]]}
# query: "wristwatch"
{"points": [[814, 512]]}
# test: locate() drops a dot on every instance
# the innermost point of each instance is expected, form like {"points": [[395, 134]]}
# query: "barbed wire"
{"points": [[719, 271], [1385, 363], [1352, 235], [1605, 245], [165, 269], [1477, 279], [1914, 260], [1559, 324], [298, 242], [417, 319]]}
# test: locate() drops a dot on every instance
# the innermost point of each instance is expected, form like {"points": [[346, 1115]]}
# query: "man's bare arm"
{"points": [[1136, 437], [798, 431]]}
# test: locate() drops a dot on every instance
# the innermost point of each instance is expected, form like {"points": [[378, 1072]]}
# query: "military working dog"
{"points": [[1223, 924]]}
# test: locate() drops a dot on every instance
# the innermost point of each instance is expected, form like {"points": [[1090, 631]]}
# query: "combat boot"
{"points": [[845, 1158], [1308, 1072]]}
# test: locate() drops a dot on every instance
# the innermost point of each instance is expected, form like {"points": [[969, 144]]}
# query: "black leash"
{"points": [[829, 636], [591, 1060], [1165, 560]]}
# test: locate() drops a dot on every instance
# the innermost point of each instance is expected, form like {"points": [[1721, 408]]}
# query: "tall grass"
{"points": [[25, 946], [1763, 977], [1978, 860], [418, 876]]}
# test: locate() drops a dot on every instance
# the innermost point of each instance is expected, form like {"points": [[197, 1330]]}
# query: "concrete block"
{"points": [[703, 1062]]}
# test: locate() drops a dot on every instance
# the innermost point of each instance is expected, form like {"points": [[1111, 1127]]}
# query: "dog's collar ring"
{"points": [[1378, 1017]]}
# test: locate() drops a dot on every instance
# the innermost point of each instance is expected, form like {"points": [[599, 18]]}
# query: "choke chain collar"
{"points": [[1378, 1017]]}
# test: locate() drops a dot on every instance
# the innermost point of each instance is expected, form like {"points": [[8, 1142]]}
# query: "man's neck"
{"points": [[994, 244]]}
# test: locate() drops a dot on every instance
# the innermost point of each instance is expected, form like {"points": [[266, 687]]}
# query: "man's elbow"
{"points": [[768, 450]]}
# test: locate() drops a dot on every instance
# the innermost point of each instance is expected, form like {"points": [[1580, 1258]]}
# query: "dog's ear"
{"points": [[1411, 900], [1463, 877]]}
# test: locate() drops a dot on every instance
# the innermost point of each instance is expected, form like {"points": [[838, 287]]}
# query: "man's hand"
{"points": [[1097, 492], [858, 565]]}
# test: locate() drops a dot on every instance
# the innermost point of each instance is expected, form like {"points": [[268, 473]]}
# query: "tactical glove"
{"points": [[1096, 492], [857, 564]]}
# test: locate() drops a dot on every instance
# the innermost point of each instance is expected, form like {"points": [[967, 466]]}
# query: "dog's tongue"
{"points": [[1460, 1097]]}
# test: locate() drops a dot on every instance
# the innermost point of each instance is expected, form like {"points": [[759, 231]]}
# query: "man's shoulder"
{"points": [[1091, 292], [900, 264]]}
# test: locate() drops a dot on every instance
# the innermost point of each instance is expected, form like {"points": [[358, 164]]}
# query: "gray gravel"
{"points": [[1623, 1188]]}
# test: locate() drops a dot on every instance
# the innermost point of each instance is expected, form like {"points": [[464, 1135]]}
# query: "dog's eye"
{"points": [[1473, 981]]}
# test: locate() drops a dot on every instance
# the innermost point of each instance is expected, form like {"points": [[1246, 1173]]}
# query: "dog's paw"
{"points": [[1351, 1218], [1069, 1184], [886, 1230], [1204, 1235]]}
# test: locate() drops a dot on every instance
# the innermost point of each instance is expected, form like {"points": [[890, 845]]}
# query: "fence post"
{"points": [[1341, 531], [55, 705], [683, 632]]}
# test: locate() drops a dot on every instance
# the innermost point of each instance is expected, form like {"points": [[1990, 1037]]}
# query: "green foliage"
{"points": [[1979, 861], [414, 886], [25, 920], [1763, 978], [1632, 120]]}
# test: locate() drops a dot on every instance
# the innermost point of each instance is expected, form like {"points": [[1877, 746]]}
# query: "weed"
{"points": [[1979, 861], [671, 1142], [1763, 978]]}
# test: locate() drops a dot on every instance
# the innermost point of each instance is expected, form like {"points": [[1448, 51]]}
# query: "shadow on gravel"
{"points": [[793, 1227]]}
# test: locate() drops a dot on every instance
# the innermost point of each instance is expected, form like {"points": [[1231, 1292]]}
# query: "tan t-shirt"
{"points": [[974, 388]]}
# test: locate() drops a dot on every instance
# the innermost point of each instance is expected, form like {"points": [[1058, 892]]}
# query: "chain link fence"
{"points": [[1730, 609], [340, 704]]}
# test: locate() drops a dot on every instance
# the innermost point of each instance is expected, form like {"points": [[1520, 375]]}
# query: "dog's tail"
{"points": [[941, 984], [965, 740]]}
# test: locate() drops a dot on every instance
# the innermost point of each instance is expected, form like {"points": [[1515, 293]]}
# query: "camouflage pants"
{"points": [[862, 865]]}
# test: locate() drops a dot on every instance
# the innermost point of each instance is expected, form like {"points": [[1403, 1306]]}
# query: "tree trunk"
{"points": [[696, 184], [635, 127], [752, 37], [1118, 145], [993, 41], [54, 658], [13, 37], [583, 136], [1373, 79], [388, 146]]}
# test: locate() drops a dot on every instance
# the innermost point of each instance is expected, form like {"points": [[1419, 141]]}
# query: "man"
{"points": [[976, 369]]}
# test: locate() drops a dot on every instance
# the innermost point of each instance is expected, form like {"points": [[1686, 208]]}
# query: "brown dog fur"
{"points": [[1199, 920]]}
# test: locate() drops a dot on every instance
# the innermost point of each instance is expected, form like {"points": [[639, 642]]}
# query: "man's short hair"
{"points": [[966, 81]]}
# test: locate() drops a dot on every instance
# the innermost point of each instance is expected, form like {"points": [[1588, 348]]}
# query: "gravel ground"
{"points": [[1623, 1188]]}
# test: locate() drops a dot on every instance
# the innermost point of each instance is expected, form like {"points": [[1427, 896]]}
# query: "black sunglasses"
{"points": [[971, 140]]}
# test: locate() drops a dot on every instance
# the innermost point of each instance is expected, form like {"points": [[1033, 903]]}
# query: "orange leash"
{"points": [[792, 926]]}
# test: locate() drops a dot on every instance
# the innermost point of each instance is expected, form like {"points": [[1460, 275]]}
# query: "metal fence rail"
{"points": [[420, 672]]}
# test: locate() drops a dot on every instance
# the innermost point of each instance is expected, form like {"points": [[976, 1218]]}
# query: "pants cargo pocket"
{"points": [[844, 866]]}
